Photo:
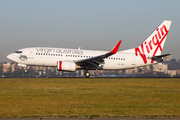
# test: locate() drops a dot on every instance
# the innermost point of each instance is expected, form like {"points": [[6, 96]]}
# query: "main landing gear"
{"points": [[87, 74]]}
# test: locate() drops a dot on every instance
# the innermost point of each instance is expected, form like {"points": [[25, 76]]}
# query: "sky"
{"points": [[89, 24]]}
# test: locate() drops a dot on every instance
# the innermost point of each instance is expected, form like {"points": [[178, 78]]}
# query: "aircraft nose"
{"points": [[10, 57]]}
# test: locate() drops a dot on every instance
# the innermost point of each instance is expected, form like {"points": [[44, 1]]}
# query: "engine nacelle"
{"points": [[66, 66]]}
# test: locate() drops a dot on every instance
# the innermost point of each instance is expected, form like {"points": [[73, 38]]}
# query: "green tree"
{"points": [[173, 64]]}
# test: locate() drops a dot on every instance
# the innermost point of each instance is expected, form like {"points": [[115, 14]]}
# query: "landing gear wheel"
{"points": [[25, 70], [87, 74]]}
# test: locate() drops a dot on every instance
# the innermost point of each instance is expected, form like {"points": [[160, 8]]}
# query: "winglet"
{"points": [[115, 49]]}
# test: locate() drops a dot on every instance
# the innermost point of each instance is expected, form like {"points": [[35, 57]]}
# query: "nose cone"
{"points": [[10, 57]]}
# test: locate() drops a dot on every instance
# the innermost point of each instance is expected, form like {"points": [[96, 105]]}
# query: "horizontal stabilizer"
{"points": [[158, 57]]}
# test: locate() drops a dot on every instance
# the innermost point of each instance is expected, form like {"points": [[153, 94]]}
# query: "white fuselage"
{"points": [[50, 56]]}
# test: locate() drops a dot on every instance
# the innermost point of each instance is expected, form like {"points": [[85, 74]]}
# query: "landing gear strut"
{"points": [[87, 74], [25, 70]]}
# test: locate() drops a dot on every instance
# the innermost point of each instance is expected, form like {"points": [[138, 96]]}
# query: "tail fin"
{"points": [[154, 44]]}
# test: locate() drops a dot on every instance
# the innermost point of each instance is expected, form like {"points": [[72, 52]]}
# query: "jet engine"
{"points": [[66, 66]]}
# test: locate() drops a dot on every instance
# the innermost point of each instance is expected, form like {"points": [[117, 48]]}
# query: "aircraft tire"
{"points": [[87, 74]]}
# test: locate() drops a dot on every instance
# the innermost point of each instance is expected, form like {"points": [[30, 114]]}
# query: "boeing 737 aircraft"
{"points": [[149, 52]]}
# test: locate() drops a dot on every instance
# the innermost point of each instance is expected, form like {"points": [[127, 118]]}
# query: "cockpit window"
{"points": [[18, 52]]}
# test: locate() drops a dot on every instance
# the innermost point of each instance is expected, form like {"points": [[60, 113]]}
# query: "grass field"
{"points": [[89, 97]]}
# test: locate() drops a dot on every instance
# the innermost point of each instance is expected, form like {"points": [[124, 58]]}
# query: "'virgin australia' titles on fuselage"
{"points": [[54, 50]]}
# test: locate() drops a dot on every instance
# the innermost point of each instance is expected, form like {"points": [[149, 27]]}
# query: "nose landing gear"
{"points": [[26, 69]]}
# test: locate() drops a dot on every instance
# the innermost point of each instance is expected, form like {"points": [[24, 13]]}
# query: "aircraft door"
{"points": [[133, 60], [31, 53]]}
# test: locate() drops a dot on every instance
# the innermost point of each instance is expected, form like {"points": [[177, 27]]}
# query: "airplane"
{"points": [[65, 59]]}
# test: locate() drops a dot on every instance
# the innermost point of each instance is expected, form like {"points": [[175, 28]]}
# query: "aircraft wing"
{"points": [[96, 61]]}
